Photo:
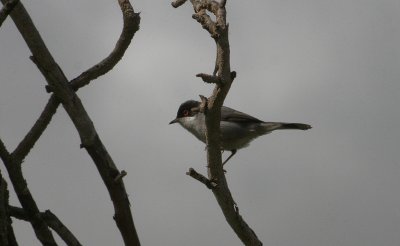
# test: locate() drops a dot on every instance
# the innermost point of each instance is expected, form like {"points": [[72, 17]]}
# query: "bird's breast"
{"points": [[195, 125]]}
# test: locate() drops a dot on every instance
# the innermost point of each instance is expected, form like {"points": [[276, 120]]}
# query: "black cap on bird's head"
{"points": [[187, 109]]}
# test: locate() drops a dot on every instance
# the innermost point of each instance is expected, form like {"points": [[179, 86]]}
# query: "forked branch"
{"points": [[25, 197], [64, 94], [52, 221], [130, 26]]}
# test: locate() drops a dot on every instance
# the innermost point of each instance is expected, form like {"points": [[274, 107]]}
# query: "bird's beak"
{"points": [[174, 121]]}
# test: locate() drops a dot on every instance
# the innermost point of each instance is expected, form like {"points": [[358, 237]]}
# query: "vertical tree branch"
{"points": [[73, 106], [223, 78], [4, 218]]}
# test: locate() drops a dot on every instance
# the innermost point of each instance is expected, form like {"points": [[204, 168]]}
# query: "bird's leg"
{"points": [[233, 152]]}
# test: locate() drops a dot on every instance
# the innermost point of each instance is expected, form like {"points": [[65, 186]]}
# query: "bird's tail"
{"points": [[298, 126], [270, 126]]}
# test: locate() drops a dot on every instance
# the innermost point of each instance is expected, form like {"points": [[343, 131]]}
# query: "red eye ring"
{"points": [[185, 112]]}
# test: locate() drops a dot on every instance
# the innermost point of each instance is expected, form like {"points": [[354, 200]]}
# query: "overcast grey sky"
{"points": [[332, 64]]}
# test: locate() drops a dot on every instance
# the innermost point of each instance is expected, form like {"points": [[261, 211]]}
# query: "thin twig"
{"points": [[203, 104], [199, 177], [211, 79], [178, 3]]}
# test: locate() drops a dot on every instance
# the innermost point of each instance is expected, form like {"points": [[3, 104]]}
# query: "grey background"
{"points": [[332, 64]]}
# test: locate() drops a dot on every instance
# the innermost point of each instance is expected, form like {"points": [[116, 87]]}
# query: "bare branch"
{"points": [[222, 78], [206, 22], [37, 130], [73, 106], [6, 10], [178, 3], [25, 197], [211, 79], [131, 26], [199, 177], [7, 236], [52, 220], [209, 5]]}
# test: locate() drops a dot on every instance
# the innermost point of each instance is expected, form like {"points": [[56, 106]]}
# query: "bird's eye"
{"points": [[185, 112]]}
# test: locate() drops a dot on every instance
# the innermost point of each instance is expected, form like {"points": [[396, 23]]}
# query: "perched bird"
{"points": [[237, 129]]}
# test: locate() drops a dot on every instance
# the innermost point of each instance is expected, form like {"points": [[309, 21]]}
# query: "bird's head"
{"points": [[187, 109]]}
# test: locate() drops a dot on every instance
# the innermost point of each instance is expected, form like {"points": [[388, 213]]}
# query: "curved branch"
{"points": [[131, 26]]}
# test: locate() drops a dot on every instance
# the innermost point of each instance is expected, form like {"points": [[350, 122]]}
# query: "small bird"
{"points": [[237, 129]]}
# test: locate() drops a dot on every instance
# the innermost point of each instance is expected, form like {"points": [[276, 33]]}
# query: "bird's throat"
{"points": [[195, 125]]}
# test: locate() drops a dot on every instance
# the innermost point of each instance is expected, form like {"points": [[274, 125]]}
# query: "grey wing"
{"points": [[229, 114]]}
